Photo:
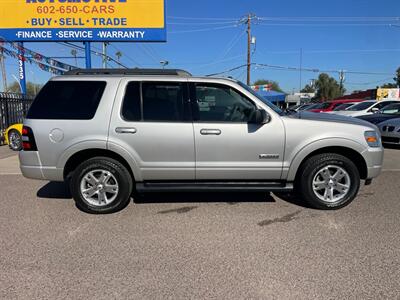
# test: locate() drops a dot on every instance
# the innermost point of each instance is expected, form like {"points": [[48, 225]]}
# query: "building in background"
{"points": [[299, 98]]}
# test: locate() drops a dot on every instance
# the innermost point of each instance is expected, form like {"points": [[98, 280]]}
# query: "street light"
{"points": [[164, 63]]}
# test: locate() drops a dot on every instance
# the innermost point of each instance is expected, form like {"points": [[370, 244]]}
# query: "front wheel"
{"points": [[14, 140], [328, 181], [101, 185]]}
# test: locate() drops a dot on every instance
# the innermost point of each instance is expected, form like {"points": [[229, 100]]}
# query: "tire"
{"points": [[316, 180], [14, 140], [104, 195]]}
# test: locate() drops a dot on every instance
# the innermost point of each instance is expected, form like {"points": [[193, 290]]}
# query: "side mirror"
{"points": [[375, 110], [260, 116]]}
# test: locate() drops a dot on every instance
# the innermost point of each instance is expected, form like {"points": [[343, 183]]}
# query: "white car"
{"points": [[367, 107]]}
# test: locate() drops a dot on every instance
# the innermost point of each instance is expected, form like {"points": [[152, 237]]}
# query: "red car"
{"points": [[330, 105]]}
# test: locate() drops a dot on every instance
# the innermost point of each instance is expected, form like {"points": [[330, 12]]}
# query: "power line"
{"points": [[368, 83], [205, 19], [228, 71], [332, 18], [149, 54], [322, 24], [232, 43], [125, 55], [202, 23], [314, 70], [204, 29]]}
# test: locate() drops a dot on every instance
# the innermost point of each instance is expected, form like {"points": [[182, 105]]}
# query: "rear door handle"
{"points": [[130, 130], [210, 131]]}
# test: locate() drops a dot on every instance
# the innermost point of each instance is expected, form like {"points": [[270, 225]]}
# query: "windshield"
{"points": [[319, 106], [343, 106], [392, 109], [361, 106], [254, 93], [312, 106]]}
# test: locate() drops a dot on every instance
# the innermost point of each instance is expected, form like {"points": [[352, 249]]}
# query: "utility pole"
{"points": [[341, 79], [105, 57], [3, 70], [301, 68], [249, 17], [250, 40]]}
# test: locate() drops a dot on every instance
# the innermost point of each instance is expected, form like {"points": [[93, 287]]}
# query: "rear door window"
{"points": [[155, 102], [162, 101], [69, 100]]}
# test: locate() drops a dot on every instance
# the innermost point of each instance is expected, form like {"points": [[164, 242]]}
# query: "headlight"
{"points": [[372, 138]]}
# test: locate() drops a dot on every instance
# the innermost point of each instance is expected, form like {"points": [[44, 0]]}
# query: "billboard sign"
{"points": [[83, 20], [384, 93]]}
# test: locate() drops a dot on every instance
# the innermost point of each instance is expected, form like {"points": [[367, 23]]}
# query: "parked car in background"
{"points": [[367, 107], [330, 105], [13, 137], [390, 131], [344, 106], [390, 111], [299, 107]]}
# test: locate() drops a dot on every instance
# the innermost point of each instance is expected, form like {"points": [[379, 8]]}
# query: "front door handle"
{"points": [[130, 130], [210, 131]]}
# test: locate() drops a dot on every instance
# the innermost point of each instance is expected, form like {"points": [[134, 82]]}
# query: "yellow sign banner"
{"points": [[53, 15]]}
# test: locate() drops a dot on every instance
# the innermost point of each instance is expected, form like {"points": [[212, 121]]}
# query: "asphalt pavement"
{"points": [[198, 246]]}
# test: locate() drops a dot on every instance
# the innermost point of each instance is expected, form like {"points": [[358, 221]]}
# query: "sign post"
{"points": [[88, 55], [21, 68]]}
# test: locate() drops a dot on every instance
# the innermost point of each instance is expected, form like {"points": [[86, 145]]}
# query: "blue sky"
{"points": [[329, 41]]}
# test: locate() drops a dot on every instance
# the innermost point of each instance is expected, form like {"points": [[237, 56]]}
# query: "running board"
{"points": [[213, 186]]}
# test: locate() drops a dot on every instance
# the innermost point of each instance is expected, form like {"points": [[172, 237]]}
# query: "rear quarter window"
{"points": [[68, 100]]}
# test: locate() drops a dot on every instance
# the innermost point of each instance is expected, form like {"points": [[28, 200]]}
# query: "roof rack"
{"points": [[136, 71]]}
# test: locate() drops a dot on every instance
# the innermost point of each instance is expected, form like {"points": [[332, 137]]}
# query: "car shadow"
{"points": [[60, 190], [54, 190], [293, 199], [191, 197]]}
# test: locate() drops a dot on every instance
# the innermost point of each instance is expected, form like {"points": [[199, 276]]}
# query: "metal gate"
{"points": [[13, 109]]}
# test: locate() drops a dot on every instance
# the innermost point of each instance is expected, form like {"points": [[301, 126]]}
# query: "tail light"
{"points": [[28, 139]]}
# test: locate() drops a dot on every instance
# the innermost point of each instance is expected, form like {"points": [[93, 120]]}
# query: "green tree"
{"points": [[31, 88], [389, 85], [327, 88], [308, 89], [274, 85], [396, 80]]}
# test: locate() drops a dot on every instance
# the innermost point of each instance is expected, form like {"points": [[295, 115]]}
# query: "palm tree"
{"points": [[118, 55]]}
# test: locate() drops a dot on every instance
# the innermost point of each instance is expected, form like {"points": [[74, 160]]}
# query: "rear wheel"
{"points": [[328, 181], [101, 185], [14, 140]]}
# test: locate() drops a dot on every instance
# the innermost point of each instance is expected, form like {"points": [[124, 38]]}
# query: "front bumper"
{"points": [[374, 160], [390, 132], [391, 138]]}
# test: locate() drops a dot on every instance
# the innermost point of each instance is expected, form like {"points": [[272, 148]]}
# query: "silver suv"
{"points": [[113, 133]]}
